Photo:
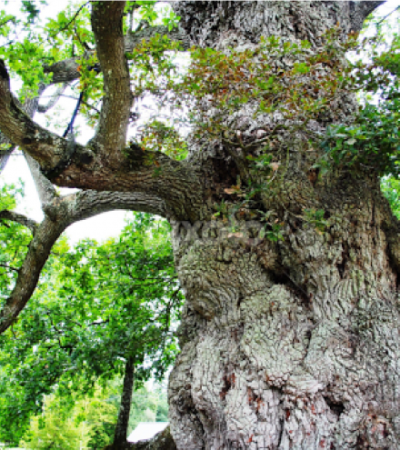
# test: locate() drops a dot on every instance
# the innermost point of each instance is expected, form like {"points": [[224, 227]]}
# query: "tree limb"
{"points": [[19, 218], [110, 138], [44, 188], [39, 249], [30, 106], [47, 148], [61, 213], [360, 10], [53, 99]]}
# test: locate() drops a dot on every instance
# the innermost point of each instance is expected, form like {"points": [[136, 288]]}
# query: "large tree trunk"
{"points": [[293, 344]]}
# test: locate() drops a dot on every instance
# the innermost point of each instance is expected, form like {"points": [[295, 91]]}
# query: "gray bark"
{"points": [[293, 344], [303, 356]]}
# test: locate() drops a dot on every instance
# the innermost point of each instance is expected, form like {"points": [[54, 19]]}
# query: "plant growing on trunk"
{"points": [[289, 337]]}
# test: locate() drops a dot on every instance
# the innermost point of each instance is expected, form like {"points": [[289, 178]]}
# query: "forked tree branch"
{"points": [[69, 164], [59, 215]]}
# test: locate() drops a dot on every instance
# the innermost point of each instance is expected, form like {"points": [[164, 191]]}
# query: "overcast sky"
{"points": [[102, 226]]}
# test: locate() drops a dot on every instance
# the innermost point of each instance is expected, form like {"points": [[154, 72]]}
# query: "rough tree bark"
{"points": [[296, 344], [286, 345]]}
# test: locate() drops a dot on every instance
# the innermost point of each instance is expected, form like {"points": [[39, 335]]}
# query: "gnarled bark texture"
{"points": [[286, 344], [294, 344]]}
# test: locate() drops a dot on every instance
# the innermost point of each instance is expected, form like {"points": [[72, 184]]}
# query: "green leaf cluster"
{"points": [[14, 240], [391, 190], [95, 306]]}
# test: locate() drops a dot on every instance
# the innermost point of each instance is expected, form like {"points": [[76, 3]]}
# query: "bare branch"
{"points": [[91, 203], [53, 99], [30, 107], [19, 218], [44, 187]]}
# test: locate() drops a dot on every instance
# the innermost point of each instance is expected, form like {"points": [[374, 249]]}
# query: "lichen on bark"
{"points": [[288, 344]]}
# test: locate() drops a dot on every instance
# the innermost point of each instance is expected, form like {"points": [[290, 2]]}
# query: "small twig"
{"points": [[6, 266], [6, 22], [85, 103], [69, 23], [384, 18]]}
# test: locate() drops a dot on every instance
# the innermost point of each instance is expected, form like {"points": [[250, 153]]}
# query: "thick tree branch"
{"points": [[360, 10], [30, 107], [61, 213], [19, 218], [112, 129], [45, 189], [72, 165], [47, 148]]}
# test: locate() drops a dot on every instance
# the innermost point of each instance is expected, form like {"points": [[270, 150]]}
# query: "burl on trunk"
{"points": [[292, 344]]}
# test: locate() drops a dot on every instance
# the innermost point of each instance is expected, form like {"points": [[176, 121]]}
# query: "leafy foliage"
{"points": [[96, 306], [14, 239], [148, 406], [88, 420], [57, 429], [218, 84], [391, 190]]}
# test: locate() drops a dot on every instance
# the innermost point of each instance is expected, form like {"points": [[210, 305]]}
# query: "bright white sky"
{"points": [[104, 225]]}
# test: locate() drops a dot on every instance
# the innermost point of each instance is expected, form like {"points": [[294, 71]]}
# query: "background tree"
{"points": [[286, 248], [56, 430], [75, 330], [91, 418]]}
